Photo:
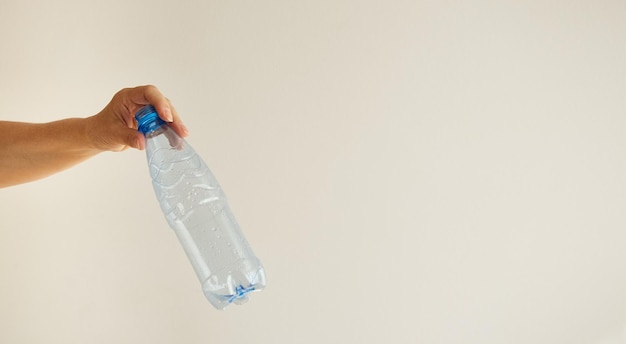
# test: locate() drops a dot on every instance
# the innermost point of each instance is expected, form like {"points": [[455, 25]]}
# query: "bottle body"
{"points": [[196, 209]]}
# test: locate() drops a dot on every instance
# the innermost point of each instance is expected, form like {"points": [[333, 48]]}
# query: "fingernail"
{"points": [[168, 115]]}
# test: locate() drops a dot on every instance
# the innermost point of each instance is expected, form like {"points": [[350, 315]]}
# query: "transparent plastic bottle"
{"points": [[195, 207]]}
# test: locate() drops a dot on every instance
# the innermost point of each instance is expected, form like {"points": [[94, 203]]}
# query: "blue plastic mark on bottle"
{"points": [[148, 119], [240, 291]]}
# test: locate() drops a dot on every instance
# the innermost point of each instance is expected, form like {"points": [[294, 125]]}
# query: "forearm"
{"points": [[31, 151]]}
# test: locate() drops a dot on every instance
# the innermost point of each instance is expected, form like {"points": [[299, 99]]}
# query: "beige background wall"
{"points": [[408, 171]]}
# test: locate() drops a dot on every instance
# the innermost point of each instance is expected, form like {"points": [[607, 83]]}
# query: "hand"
{"points": [[115, 128]]}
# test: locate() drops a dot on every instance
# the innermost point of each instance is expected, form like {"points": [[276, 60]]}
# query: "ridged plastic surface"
{"points": [[196, 208]]}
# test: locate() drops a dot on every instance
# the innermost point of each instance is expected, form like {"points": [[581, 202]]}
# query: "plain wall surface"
{"points": [[407, 171]]}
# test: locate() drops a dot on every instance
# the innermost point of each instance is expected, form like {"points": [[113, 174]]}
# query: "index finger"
{"points": [[144, 95]]}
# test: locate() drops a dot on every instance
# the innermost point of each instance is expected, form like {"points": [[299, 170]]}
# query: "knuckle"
{"points": [[121, 92], [151, 87]]}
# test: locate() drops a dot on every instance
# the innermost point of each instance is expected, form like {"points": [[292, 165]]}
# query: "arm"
{"points": [[31, 151]]}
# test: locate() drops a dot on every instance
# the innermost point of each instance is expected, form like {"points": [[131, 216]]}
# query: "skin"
{"points": [[32, 151]]}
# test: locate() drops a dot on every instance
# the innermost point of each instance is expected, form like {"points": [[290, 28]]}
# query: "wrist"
{"points": [[90, 132]]}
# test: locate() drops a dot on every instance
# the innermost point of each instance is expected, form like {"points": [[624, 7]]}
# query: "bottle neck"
{"points": [[155, 132]]}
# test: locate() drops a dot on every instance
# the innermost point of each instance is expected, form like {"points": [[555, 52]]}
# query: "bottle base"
{"points": [[234, 291]]}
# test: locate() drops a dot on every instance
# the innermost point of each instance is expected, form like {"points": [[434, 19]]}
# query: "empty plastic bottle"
{"points": [[195, 207]]}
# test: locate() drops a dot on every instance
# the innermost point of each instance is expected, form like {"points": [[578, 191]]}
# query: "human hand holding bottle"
{"points": [[115, 128], [31, 151]]}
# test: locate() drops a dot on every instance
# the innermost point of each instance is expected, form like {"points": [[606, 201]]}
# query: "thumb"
{"points": [[135, 139]]}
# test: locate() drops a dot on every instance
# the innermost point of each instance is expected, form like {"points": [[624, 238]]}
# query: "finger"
{"points": [[127, 137], [149, 94], [133, 138], [160, 103], [177, 124], [175, 140]]}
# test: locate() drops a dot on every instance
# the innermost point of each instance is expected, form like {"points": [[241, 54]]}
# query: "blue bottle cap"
{"points": [[148, 119]]}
